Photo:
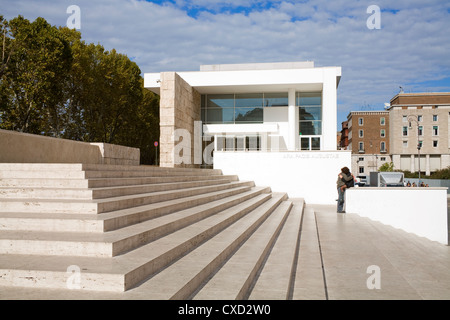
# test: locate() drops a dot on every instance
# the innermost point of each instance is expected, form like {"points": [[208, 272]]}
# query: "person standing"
{"points": [[343, 177]]}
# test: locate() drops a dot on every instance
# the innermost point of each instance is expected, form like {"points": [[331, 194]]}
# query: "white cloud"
{"points": [[412, 45]]}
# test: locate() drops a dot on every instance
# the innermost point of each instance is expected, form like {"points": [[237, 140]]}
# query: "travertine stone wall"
{"points": [[17, 147], [179, 109]]}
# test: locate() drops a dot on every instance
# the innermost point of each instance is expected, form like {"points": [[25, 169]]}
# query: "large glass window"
{"points": [[248, 107], [276, 99], [219, 108], [239, 108], [310, 113]]}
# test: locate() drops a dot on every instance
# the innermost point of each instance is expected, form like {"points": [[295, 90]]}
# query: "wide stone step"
{"points": [[234, 280], [201, 263], [127, 270], [61, 222], [109, 204], [78, 171], [114, 242], [104, 182], [100, 193]]}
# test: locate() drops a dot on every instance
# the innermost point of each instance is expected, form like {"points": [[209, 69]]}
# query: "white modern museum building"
{"points": [[273, 123]]}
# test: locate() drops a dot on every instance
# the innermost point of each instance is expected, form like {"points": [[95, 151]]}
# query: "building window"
{"points": [[382, 133], [435, 130], [361, 121], [382, 121], [361, 147], [435, 117], [405, 144], [361, 169], [279, 99], [420, 144], [239, 108], [405, 119], [361, 159], [310, 143], [383, 146], [361, 133], [419, 118], [420, 130], [405, 131], [435, 143], [383, 158], [310, 113]]}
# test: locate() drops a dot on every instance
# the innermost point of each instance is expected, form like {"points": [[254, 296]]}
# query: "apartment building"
{"points": [[420, 119], [368, 139]]}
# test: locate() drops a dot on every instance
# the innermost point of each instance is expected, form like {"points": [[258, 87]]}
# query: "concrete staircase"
{"points": [[175, 233]]}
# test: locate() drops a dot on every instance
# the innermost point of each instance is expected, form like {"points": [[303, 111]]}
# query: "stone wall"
{"points": [[179, 108], [16, 147]]}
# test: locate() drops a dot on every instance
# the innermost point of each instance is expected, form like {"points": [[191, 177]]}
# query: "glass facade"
{"points": [[243, 108], [239, 108]]}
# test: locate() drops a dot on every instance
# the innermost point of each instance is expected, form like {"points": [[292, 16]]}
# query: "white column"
{"points": [[329, 109], [293, 121]]}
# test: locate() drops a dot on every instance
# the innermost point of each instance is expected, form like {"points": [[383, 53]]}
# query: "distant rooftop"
{"points": [[258, 66]]}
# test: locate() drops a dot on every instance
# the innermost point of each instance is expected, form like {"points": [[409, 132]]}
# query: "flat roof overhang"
{"points": [[213, 82]]}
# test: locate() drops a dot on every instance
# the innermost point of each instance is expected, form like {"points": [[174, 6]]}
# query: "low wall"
{"points": [[16, 147], [422, 211], [310, 175]]}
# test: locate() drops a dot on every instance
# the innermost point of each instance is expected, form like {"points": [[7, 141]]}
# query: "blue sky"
{"points": [[411, 49]]}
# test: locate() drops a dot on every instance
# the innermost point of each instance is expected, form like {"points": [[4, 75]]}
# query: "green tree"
{"points": [[54, 83], [387, 167], [33, 81]]}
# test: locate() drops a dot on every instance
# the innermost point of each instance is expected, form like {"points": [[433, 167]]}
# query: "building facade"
{"points": [[271, 123], [248, 107], [420, 119], [368, 139]]}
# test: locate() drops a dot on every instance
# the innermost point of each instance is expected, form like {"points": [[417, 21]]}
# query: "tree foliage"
{"points": [[387, 167], [53, 83]]}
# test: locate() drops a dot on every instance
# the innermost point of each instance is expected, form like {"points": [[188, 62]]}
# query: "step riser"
{"points": [[61, 280], [51, 225], [108, 182], [56, 206], [116, 223], [102, 183], [39, 193], [56, 174], [56, 248], [37, 206], [137, 174], [109, 206], [44, 183]]}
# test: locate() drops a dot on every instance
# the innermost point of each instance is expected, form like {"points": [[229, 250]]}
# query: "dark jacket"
{"points": [[341, 181]]}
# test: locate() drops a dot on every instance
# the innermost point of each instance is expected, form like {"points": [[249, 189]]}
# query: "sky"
{"points": [[404, 44]]}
